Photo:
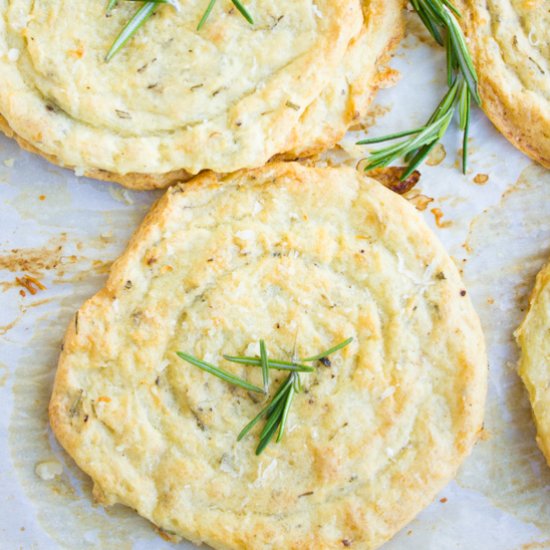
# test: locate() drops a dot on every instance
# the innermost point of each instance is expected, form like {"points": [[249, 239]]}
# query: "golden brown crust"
{"points": [[137, 182], [533, 337], [509, 41], [338, 101], [217, 264]]}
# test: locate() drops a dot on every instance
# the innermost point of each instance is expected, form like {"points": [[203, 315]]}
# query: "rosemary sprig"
{"points": [[295, 387], [277, 410], [147, 10], [440, 18]]}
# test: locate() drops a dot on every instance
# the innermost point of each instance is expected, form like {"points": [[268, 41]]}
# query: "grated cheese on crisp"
{"points": [[387, 393], [48, 470], [13, 54], [317, 11]]}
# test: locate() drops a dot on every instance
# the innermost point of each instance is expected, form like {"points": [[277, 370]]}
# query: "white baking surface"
{"points": [[66, 231]]}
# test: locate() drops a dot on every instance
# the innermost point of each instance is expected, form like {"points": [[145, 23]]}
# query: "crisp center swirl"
{"points": [[171, 75]]}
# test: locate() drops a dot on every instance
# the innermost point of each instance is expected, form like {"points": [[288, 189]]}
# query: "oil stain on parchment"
{"points": [[508, 245], [70, 250], [64, 505], [3, 374], [33, 260], [54, 263]]}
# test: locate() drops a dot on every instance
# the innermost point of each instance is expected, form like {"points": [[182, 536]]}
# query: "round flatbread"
{"points": [[175, 100], [510, 43], [302, 258], [533, 337]]}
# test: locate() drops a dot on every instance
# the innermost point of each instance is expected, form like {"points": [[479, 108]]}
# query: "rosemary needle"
{"points": [[440, 18], [265, 365], [288, 402], [277, 414], [464, 112], [111, 5], [131, 27], [388, 137], [206, 14], [216, 371], [267, 438], [273, 364], [330, 351], [242, 10], [266, 410]]}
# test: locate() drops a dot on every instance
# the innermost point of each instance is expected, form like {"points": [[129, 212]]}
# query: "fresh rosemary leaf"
{"points": [[452, 7], [275, 416], [464, 110], [440, 18], [110, 5], [378, 158], [388, 137], [206, 14], [267, 438], [417, 148], [329, 351], [427, 17], [273, 364], [131, 27], [265, 365], [297, 384], [279, 394], [451, 60], [268, 409], [460, 49], [173, 3], [216, 371], [418, 158], [277, 410], [288, 402], [243, 11], [147, 10], [251, 424]]}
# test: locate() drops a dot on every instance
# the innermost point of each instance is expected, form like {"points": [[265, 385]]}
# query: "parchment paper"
{"points": [[65, 231]]}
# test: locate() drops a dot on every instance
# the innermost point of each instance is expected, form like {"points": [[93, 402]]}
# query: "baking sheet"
{"points": [[65, 231]]}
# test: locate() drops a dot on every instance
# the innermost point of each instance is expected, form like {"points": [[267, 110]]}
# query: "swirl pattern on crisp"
{"points": [[510, 43], [292, 255], [176, 101], [533, 337]]}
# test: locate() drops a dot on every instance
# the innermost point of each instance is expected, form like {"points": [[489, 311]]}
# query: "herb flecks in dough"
{"points": [[440, 18], [276, 412], [147, 10]]}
